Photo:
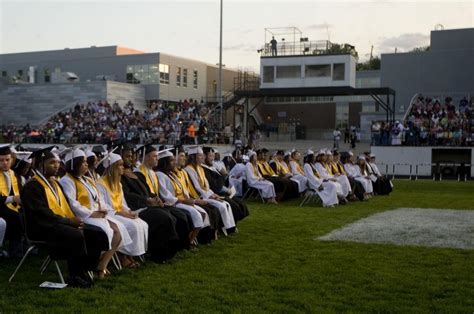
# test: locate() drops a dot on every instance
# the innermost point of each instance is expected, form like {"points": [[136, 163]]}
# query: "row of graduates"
{"points": [[336, 177], [88, 209]]}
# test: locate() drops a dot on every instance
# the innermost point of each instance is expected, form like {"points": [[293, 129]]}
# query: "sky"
{"points": [[191, 28]]}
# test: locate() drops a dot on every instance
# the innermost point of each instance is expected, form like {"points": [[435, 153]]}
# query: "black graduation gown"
{"points": [[168, 227], [216, 182], [285, 187], [81, 248], [206, 234], [14, 231], [382, 185]]}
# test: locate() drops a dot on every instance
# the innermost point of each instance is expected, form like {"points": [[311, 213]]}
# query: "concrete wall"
{"points": [[21, 104], [213, 77], [452, 39], [402, 157], [439, 72]]}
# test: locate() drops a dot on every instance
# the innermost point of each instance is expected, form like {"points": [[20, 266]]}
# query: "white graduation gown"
{"points": [[85, 213], [224, 208], [362, 177], [298, 177], [137, 228], [329, 194], [325, 175], [168, 194], [258, 182], [3, 228], [236, 177]]}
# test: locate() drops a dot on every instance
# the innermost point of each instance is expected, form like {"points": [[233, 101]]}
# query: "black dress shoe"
{"points": [[78, 282]]}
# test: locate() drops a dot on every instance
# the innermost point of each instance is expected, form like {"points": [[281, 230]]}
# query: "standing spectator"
{"points": [[273, 44], [336, 134], [347, 135]]}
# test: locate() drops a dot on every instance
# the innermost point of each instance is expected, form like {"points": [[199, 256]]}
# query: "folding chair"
{"points": [[32, 245], [251, 192], [310, 196]]}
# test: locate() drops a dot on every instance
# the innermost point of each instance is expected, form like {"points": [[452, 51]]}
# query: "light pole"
{"points": [[219, 82]]}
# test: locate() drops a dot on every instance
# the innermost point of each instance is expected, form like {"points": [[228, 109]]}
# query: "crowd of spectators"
{"points": [[185, 122], [430, 122]]}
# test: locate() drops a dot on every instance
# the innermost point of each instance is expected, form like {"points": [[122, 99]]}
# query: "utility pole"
{"points": [[219, 83]]}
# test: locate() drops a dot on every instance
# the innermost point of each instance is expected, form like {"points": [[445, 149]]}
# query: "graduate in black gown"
{"points": [[49, 218], [10, 202], [168, 227], [176, 186], [284, 187], [217, 183]]}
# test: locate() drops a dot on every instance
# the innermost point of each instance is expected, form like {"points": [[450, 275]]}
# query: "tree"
{"points": [[372, 64], [343, 48], [420, 49]]}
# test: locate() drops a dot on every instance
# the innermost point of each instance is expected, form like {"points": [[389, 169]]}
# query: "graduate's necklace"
{"points": [[91, 190]]}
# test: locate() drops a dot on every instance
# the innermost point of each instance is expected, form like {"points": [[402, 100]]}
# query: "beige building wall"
{"points": [[213, 77], [172, 91]]}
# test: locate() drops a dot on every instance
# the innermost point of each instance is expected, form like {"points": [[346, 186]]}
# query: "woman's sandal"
{"points": [[101, 274]]}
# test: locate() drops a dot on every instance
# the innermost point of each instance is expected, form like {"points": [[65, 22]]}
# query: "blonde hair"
{"points": [[113, 176]]}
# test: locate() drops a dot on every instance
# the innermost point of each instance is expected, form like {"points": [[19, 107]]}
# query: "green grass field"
{"points": [[275, 265]]}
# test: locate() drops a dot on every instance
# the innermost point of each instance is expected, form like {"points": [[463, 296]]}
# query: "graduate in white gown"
{"points": [[86, 203], [3, 228], [198, 177], [323, 172], [111, 191], [256, 180], [173, 190], [334, 172], [325, 188], [354, 172], [297, 173], [361, 173]]}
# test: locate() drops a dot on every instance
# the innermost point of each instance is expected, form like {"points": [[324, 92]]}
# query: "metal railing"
{"points": [[436, 173], [319, 47]]}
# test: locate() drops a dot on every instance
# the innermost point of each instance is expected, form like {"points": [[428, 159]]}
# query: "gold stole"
{"points": [[82, 196], [201, 177], [151, 182], [59, 207], [261, 166], [328, 168], [268, 169], [281, 167], [334, 168], [255, 171], [4, 188], [184, 177], [116, 197], [315, 172], [298, 167], [341, 168], [178, 185]]}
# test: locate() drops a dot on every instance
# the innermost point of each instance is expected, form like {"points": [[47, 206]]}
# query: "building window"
{"points": [[195, 79], [338, 72], [185, 77], [47, 75], [164, 74], [318, 70], [143, 74], [289, 71], [178, 76], [268, 74], [4, 73], [57, 70]]}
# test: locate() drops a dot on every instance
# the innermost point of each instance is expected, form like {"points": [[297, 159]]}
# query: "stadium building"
{"points": [[53, 81]]}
